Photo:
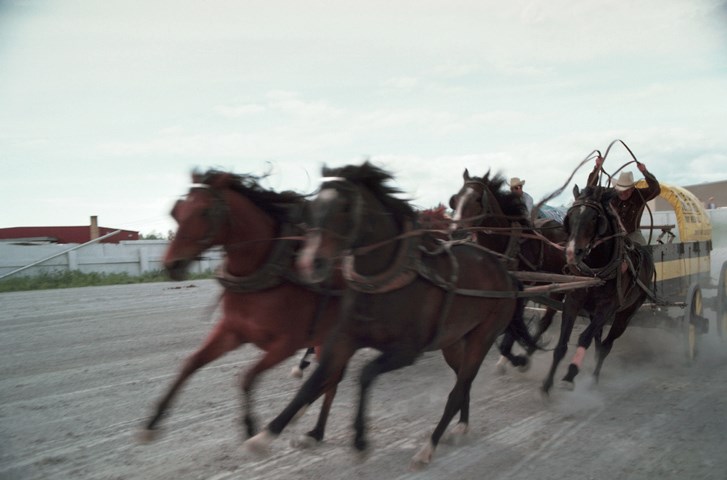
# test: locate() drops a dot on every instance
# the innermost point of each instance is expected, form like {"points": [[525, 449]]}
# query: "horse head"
{"points": [[230, 210], [471, 202], [587, 222], [352, 208], [486, 202], [202, 216]]}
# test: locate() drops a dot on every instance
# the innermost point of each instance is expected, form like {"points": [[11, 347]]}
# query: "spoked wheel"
{"points": [[722, 302], [694, 322]]}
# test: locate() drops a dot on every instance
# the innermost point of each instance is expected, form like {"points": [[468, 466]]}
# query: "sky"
{"points": [[107, 106]]}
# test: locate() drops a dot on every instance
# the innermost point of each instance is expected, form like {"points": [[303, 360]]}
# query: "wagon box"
{"points": [[678, 265]]}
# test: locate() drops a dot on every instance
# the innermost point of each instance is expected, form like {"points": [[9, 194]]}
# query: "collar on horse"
{"points": [[277, 267], [400, 273]]}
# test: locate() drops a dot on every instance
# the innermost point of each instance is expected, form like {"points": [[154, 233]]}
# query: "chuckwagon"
{"points": [[681, 253], [666, 293]]}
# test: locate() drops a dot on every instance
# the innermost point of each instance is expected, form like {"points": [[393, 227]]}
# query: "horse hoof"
{"points": [[544, 395], [147, 435], [360, 444], [456, 435], [259, 445], [526, 367], [422, 458], [303, 442], [566, 385], [296, 372]]}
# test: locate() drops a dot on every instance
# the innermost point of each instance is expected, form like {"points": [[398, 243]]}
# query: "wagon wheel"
{"points": [[693, 321], [722, 302]]}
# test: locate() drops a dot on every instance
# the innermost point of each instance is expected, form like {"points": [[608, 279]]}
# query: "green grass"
{"points": [[71, 279]]}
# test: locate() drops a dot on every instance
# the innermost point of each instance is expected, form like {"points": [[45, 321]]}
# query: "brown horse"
{"points": [[498, 221], [596, 247], [436, 221], [264, 302], [407, 294]]}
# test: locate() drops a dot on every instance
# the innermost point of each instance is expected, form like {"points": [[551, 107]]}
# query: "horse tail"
{"points": [[517, 327]]}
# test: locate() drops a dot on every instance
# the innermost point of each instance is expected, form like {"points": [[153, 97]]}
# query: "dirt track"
{"points": [[81, 369]]}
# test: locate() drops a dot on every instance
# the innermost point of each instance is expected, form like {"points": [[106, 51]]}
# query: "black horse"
{"points": [[597, 247], [408, 294], [498, 221]]}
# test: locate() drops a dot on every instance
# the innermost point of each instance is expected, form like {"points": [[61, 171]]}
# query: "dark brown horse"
{"points": [[498, 220], [407, 294], [596, 248], [264, 302]]}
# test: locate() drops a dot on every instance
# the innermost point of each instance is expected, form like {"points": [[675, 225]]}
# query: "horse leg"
{"points": [[516, 329], [276, 354], [544, 324], [508, 340], [316, 434], [386, 362], [304, 363], [453, 355], [618, 327], [566, 328], [218, 342], [584, 341], [477, 345], [325, 377]]}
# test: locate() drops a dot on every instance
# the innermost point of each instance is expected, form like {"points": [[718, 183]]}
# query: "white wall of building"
{"points": [[131, 257]]}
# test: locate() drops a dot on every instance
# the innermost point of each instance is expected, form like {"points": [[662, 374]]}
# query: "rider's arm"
{"points": [[653, 188]]}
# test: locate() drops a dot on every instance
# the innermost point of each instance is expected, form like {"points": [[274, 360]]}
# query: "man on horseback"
{"points": [[630, 202]]}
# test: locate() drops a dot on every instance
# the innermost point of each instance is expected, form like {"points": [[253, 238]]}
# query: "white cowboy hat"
{"points": [[515, 182], [625, 181]]}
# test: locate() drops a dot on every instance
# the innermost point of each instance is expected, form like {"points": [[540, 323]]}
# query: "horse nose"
{"points": [[176, 269], [572, 253]]}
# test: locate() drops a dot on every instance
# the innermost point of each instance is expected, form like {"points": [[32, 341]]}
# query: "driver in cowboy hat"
{"points": [[630, 201], [516, 187]]}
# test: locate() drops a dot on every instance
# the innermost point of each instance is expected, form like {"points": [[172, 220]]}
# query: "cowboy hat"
{"points": [[625, 181], [516, 182]]}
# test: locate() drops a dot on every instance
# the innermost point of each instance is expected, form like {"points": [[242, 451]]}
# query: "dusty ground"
{"points": [[81, 369]]}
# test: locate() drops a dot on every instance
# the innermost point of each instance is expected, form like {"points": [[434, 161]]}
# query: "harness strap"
{"points": [[401, 272]]}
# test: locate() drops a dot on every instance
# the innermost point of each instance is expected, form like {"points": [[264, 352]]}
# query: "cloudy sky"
{"points": [[106, 106]]}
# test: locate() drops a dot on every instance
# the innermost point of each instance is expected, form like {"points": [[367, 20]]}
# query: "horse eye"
{"points": [[453, 202]]}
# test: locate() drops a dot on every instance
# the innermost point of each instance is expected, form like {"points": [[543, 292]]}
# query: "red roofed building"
{"points": [[79, 234]]}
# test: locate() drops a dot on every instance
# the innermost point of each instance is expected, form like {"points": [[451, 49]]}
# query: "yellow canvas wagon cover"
{"points": [[692, 219]]}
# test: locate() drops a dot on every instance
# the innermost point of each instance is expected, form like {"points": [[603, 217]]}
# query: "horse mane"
{"points": [[280, 205], [598, 194], [375, 180], [509, 202]]}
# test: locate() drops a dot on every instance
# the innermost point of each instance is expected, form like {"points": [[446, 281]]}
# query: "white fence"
{"points": [[140, 256], [130, 257]]}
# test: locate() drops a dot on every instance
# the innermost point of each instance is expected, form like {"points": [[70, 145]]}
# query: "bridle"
{"points": [[610, 270], [600, 215], [487, 209], [344, 186], [217, 214]]}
